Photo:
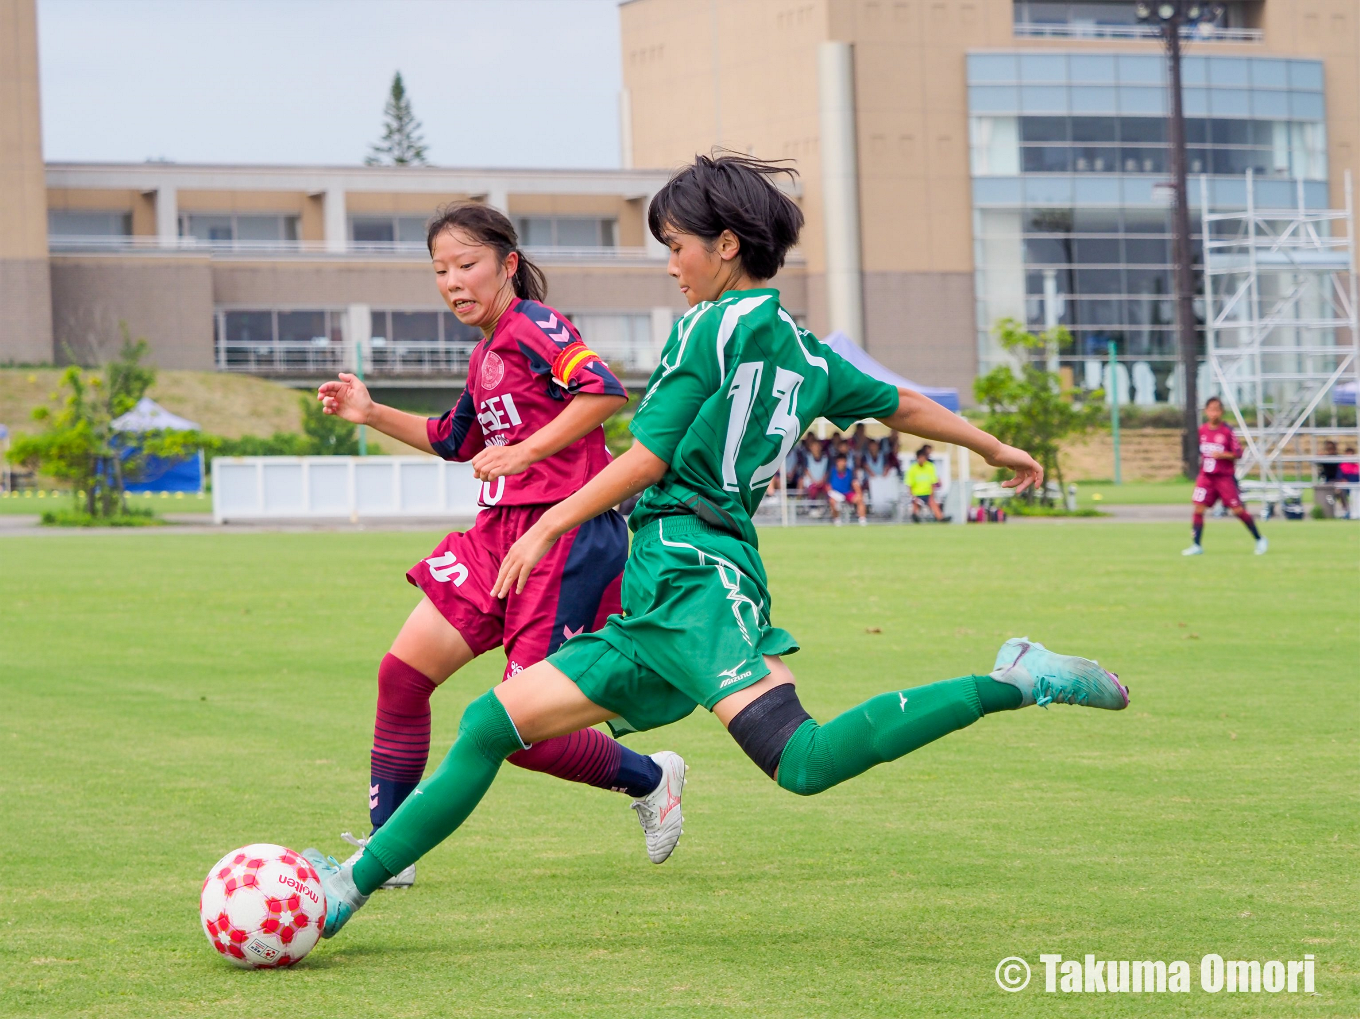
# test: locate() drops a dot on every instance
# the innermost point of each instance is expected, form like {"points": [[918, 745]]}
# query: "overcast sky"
{"points": [[530, 83]]}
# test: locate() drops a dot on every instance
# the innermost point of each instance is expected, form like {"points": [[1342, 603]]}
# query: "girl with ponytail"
{"points": [[530, 421]]}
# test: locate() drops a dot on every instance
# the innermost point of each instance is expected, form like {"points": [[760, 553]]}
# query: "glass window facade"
{"points": [[279, 341], [387, 231], [567, 231], [404, 341], [624, 340], [1068, 223], [85, 223], [231, 228]]}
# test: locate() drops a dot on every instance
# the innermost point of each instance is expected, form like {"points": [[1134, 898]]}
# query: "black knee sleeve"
{"points": [[764, 726]]}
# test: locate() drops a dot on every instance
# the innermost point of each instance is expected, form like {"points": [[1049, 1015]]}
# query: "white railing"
{"points": [[280, 358], [390, 360], [1201, 33], [341, 488], [419, 359], [151, 242]]}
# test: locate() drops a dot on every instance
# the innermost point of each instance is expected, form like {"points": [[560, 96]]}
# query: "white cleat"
{"points": [[659, 811], [1261, 546], [1195, 549], [403, 880]]}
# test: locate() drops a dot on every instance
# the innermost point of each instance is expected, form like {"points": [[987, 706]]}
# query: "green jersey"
{"points": [[738, 384]]}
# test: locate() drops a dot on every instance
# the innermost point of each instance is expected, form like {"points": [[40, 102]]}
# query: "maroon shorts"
{"points": [[572, 590], [1210, 488]]}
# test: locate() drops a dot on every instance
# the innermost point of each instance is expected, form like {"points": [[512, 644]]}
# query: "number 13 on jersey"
{"points": [[743, 395]]}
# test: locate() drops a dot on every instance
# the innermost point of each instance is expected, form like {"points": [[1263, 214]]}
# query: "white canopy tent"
{"points": [[150, 416]]}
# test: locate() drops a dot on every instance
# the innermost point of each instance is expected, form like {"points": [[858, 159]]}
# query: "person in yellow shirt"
{"points": [[922, 479]]}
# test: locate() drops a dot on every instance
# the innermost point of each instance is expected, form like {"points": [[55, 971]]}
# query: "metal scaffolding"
{"points": [[1281, 330]]}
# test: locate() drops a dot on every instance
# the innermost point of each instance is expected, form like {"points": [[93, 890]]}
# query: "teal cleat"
{"points": [[1044, 677], [342, 897]]}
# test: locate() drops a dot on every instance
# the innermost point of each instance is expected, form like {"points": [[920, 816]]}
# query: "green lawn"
{"points": [[1133, 493], [30, 502], [167, 697]]}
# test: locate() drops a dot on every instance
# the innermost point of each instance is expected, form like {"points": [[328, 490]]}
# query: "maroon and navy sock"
{"points": [[401, 737], [1245, 517], [1198, 528], [591, 757]]}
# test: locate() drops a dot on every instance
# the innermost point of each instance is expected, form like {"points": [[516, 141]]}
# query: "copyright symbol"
{"points": [[1012, 974]]}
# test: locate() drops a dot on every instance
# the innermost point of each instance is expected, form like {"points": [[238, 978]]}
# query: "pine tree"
{"points": [[401, 143]]}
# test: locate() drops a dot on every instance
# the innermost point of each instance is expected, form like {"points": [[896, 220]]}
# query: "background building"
{"points": [[959, 160], [951, 153], [297, 272], [25, 297]]}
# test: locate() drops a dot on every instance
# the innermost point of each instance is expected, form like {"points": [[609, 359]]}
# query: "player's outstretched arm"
{"points": [[348, 398], [920, 415], [627, 476], [585, 413]]}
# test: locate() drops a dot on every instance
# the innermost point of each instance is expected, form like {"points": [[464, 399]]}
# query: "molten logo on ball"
{"points": [[262, 907]]}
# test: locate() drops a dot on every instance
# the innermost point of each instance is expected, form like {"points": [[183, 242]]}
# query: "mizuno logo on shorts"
{"points": [[732, 676]]}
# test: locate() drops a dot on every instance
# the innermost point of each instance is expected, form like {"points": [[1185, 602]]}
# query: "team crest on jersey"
{"points": [[493, 370]]}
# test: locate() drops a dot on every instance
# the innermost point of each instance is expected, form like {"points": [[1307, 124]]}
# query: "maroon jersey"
{"points": [[518, 381], [1217, 439]]}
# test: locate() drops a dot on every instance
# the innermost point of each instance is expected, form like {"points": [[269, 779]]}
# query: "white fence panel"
{"points": [[341, 488]]}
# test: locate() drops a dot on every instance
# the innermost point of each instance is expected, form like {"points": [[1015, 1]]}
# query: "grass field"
{"points": [[167, 697], [28, 502]]}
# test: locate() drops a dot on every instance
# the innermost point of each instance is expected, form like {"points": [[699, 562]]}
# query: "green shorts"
{"points": [[695, 627]]}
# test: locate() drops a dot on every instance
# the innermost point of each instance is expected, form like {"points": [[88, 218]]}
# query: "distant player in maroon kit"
{"points": [[1219, 450], [530, 418]]}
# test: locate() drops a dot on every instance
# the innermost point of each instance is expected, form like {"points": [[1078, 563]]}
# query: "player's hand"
{"points": [[1026, 468], [500, 461], [348, 398], [519, 562]]}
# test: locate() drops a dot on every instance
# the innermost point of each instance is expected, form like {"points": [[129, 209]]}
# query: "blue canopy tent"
{"points": [[842, 345], [184, 475]]}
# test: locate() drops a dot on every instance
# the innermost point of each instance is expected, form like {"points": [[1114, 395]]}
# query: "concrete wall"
{"points": [[167, 300], [920, 324], [25, 295]]}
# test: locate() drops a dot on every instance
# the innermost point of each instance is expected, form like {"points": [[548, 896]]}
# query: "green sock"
{"points": [[436, 808], [369, 873], [881, 729], [996, 696]]}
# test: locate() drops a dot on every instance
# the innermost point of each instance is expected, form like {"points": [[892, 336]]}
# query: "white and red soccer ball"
{"points": [[262, 907]]}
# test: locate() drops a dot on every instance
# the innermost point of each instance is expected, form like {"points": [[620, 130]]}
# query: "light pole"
{"points": [[1169, 17]]}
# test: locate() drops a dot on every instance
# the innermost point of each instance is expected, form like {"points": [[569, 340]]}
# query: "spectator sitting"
{"points": [[845, 487], [841, 447], [894, 460], [875, 458], [1331, 470], [1331, 491], [816, 466], [793, 470], [1348, 471], [859, 442], [922, 479]]}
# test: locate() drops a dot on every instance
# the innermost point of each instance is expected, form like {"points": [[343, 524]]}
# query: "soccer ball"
{"points": [[262, 907]]}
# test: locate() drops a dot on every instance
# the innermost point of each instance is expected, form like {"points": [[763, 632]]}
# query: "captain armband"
{"points": [[573, 356]]}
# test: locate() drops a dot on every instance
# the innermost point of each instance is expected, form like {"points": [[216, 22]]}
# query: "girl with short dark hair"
{"points": [[738, 383]]}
